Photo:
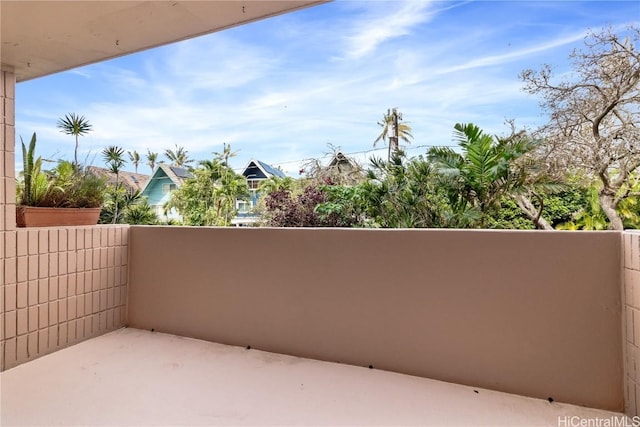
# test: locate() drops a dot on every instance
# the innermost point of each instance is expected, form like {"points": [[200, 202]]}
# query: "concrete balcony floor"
{"points": [[133, 377]]}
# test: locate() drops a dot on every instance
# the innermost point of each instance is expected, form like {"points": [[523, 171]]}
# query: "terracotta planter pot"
{"points": [[29, 216]]}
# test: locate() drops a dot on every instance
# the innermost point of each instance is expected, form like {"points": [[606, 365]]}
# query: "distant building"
{"points": [[255, 172], [343, 164], [165, 179], [131, 181], [340, 170]]}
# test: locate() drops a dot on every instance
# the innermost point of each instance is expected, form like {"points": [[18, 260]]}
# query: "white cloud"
{"points": [[492, 60], [273, 92], [385, 21]]}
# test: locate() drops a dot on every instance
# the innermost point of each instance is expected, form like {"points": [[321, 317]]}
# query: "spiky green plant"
{"points": [[76, 125], [28, 164]]}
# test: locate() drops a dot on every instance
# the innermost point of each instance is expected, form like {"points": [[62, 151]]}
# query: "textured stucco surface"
{"points": [[61, 285], [531, 313], [631, 320]]}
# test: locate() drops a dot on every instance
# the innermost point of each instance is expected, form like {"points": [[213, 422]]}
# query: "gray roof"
{"points": [[180, 172], [175, 174], [271, 170], [132, 181]]}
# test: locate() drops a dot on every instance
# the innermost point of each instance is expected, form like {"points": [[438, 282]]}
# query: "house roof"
{"points": [[131, 180], [45, 37], [181, 173], [340, 160], [176, 174], [271, 170], [265, 168]]}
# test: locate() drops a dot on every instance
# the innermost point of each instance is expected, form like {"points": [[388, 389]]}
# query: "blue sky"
{"points": [[282, 89]]}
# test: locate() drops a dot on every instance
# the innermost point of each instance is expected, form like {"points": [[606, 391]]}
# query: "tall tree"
{"points": [[594, 125], [393, 130], [340, 169], [178, 157], [73, 124], [114, 159], [402, 193], [152, 158], [209, 197], [485, 171], [134, 156], [226, 154]]}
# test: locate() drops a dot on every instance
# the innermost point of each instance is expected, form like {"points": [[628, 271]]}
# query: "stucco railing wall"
{"points": [[532, 313], [58, 285], [61, 286], [631, 321], [7, 151]]}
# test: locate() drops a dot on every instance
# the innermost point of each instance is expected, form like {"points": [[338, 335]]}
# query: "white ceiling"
{"points": [[44, 37]]}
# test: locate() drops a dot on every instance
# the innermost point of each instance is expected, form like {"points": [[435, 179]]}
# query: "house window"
{"points": [[167, 188], [243, 206], [253, 183]]}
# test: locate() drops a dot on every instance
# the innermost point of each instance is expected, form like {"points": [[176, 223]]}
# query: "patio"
{"points": [[528, 313], [136, 377]]}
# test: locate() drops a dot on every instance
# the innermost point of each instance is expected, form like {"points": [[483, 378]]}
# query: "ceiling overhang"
{"points": [[39, 38]]}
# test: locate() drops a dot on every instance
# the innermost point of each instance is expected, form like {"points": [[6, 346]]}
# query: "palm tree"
{"points": [[402, 193], [485, 171], [209, 197], [135, 159], [152, 158], [232, 187], [226, 154], [214, 168], [276, 183], [393, 130], [72, 124], [114, 159], [179, 157]]}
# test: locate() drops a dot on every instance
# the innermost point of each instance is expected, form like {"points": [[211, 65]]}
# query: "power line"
{"points": [[359, 152]]}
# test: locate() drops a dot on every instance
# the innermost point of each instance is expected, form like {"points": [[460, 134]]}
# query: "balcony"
{"points": [[438, 314], [459, 327]]}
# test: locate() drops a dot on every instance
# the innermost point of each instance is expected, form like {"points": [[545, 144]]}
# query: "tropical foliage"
{"points": [[178, 157], [485, 171], [152, 159], [393, 130], [76, 125], [481, 183], [209, 197], [578, 172], [135, 159], [594, 116], [122, 207], [402, 193], [67, 185]]}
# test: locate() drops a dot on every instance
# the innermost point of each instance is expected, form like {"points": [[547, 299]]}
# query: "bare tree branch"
{"points": [[593, 127]]}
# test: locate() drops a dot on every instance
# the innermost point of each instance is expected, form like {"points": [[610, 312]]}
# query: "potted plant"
{"points": [[67, 195]]}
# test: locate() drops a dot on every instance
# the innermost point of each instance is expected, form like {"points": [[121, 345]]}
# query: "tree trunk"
{"points": [[532, 212], [115, 199], [76, 166], [608, 206]]}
